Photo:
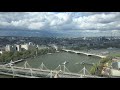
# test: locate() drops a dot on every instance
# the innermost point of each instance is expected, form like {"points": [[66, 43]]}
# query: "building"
{"points": [[17, 47], [2, 49], [41, 47], [1, 52], [116, 65], [28, 46], [9, 48], [25, 46], [116, 59], [115, 73], [13, 48]]}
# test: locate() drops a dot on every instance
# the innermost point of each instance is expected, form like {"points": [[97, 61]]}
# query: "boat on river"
{"points": [[65, 62], [49, 53], [85, 63]]}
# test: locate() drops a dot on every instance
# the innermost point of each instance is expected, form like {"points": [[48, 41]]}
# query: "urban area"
{"points": [[15, 50], [59, 44]]}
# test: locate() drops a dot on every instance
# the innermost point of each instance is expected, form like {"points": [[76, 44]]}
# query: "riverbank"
{"points": [[14, 62], [6, 57]]}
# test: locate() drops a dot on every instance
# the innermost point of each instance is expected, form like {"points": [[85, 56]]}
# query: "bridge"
{"points": [[26, 71], [88, 54], [14, 62]]}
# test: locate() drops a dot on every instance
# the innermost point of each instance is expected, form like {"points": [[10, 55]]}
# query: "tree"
{"points": [[93, 69]]}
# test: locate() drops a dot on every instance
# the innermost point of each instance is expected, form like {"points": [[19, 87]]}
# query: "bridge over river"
{"points": [[88, 54], [42, 72]]}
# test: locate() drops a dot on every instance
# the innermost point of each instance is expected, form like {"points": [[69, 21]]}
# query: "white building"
{"points": [[116, 65], [9, 48], [28, 46], [42, 47], [16, 47], [115, 73], [13, 48], [1, 52], [25, 46]]}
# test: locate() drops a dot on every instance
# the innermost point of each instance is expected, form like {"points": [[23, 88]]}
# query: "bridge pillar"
{"points": [[51, 74], [31, 72], [64, 68], [81, 76], [84, 70], [25, 65], [12, 71], [60, 68], [42, 66]]}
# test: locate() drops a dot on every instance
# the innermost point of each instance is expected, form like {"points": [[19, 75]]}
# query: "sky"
{"points": [[66, 23]]}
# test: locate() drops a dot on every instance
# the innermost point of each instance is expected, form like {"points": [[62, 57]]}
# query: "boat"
{"points": [[57, 51], [49, 53], [87, 63], [9, 64], [77, 63], [65, 62], [82, 62]]}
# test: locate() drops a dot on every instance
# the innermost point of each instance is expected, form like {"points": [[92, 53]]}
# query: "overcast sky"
{"points": [[86, 23]]}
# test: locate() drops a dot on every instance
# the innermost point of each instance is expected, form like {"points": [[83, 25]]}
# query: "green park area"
{"points": [[6, 57]]}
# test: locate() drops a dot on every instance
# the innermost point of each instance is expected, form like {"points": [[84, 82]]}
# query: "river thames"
{"points": [[51, 61]]}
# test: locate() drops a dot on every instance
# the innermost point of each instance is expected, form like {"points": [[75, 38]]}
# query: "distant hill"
{"points": [[35, 33], [32, 33]]}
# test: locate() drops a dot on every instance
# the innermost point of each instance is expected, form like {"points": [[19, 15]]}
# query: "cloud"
{"points": [[101, 22], [36, 25], [61, 21]]}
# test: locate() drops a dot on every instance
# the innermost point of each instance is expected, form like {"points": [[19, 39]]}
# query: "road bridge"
{"points": [[88, 54]]}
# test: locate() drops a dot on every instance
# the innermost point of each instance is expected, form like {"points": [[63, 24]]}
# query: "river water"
{"points": [[51, 61]]}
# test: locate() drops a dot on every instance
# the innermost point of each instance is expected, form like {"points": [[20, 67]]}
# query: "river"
{"points": [[51, 61]]}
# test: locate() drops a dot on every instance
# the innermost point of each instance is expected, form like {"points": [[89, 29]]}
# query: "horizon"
{"points": [[60, 24]]}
